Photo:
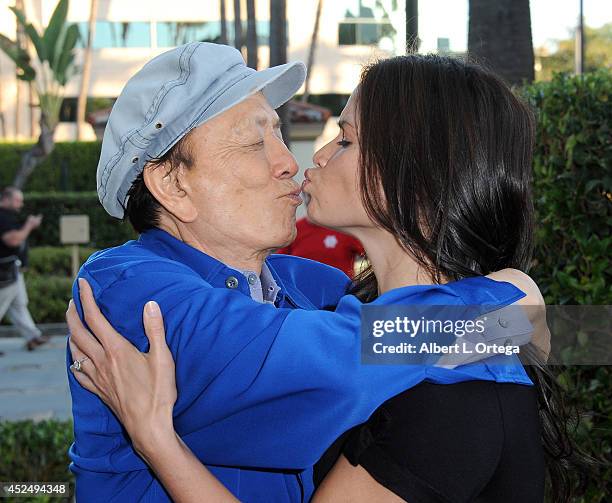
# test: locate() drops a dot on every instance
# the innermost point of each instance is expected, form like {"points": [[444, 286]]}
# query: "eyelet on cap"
{"points": [[134, 160], [159, 125]]}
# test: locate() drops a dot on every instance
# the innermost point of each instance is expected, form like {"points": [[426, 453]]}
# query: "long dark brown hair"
{"points": [[445, 166]]}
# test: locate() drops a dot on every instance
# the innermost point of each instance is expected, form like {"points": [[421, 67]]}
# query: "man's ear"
{"points": [[166, 188]]}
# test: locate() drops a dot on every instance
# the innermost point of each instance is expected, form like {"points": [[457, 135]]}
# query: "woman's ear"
{"points": [[167, 187]]}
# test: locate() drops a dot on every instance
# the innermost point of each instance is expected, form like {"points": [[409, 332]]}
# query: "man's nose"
{"points": [[283, 162]]}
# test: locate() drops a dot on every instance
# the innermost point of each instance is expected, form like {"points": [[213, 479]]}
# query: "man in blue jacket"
{"points": [[192, 157]]}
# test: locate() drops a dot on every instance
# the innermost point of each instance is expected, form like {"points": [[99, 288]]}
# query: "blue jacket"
{"points": [[262, 390]]}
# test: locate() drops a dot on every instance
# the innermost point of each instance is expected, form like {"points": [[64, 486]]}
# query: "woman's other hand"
{"points": [[534, 306]]}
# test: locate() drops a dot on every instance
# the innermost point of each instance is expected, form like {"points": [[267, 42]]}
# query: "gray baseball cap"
{"points": [[172, 94]]}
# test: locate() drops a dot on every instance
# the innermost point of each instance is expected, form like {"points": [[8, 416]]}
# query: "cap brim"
{"points": [[279, 84]]}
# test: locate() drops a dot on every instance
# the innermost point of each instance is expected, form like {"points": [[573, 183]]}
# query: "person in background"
{"points": [[325, 245], [14, 256]]}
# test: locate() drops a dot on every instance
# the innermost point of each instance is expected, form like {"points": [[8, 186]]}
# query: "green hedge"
{"points": [[49, 282], [573, 188], [105, 230], [55, 261], [573, 199], [32, 451], [70, 167], [48, 296]]}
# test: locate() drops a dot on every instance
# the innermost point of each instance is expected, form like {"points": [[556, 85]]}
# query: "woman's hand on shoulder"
{"points": [[140, 388]]}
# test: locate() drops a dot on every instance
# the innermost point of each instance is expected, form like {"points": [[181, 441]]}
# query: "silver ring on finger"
{"points": [[77, 364]]}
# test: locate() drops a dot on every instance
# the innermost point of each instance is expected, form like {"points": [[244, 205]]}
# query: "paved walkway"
{"points": [[33, 384]]}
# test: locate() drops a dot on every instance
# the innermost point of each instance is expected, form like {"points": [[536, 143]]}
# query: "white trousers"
{"points": [[14, 302]]}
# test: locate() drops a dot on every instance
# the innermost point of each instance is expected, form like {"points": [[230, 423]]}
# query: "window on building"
{"points": [[263, 32], [363, 33], [334, 102], [117, 34], [443, 45], [366, 22], [68, 109], [173, 33]]}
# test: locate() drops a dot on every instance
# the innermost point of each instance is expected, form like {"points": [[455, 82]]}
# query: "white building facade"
{"points": [[351, 33]]}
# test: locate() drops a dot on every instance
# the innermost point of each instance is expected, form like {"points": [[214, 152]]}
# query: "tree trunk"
{"points": [[412, 26], [82, 101], [311, 51], [278, 32], [251, 38], [500, 38], [278, 54], [238, 43], [36, 155], [31, 107], [19, 38], [223, 38], [2, 118], [579, 43]]}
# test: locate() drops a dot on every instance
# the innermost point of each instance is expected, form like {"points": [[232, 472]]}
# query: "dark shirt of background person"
{"points": [[11, 221]]}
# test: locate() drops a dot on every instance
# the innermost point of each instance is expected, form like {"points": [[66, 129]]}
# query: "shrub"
{"points": [[105, 230], [55, 261], [36, 451], [70, 167], [573, 188], [49, 297], [573, 199], [49, 282]]}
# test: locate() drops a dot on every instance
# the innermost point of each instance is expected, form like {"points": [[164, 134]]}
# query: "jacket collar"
{"points": [[213, 271]]}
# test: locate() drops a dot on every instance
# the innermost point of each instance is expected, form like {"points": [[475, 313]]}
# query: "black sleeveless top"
{"points": [[475, 441]]}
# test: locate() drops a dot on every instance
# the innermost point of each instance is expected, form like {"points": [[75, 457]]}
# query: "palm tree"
{"points": [[278, 32], [223, 39], [579, 49], [500, 37], [2, 118], [278, 53], [238, 43], [49, 72], [82, 101], [19, 36], [412, 26], [251, 37], [22, 42], [311, 51]]}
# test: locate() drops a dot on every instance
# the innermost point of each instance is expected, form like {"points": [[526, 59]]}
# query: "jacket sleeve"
{"points": [[260, 386]]}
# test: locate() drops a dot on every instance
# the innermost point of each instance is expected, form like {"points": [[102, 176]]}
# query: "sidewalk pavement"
{"points": [[34, 384]]}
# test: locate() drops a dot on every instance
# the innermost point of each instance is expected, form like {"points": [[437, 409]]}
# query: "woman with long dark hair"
{"points": [[431, 171], [444, 152]]}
